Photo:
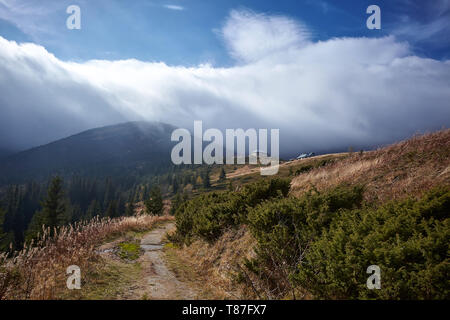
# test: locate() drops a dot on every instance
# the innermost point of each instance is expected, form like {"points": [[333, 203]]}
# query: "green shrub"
{"points": [[322, 244], [317, 164], [285, 229], [408, 240], [304, 169], [208, 215]]}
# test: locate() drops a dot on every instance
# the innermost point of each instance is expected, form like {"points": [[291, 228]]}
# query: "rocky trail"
{"points": [[155, 280]]}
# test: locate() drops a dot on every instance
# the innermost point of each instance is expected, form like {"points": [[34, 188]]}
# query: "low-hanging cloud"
{"points": [[322, 95]]}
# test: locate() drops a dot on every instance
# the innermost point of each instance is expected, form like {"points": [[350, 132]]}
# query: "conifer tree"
{"points": [[175, 185], [54, 207], [129, 209], [53, 213], [4, 238], [112, 211], [154, 204], [93, 210]]}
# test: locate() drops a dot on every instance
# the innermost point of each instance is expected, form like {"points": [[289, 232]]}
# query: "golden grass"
{"points": [[407, 168], [38, 271], [216, 264]]}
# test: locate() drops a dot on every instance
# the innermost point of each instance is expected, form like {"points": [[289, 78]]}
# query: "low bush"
{"points": [[208, 215], [322, 243], [286, 228], [408, 240]]}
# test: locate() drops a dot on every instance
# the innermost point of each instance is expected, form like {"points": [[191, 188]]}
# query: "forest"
{"points": [[23, 207]]}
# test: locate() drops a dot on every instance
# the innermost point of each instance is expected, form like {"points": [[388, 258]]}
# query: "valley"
{"points": [[226, 232]]}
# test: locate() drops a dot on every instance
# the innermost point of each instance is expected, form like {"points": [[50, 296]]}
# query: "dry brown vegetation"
{"points": [[407, 168], [216, 264], [39, 270]]}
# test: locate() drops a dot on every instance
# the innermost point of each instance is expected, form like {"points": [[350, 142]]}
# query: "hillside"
{"points": [[407, 168], [128, 149], [388, 207], [308, 233]]}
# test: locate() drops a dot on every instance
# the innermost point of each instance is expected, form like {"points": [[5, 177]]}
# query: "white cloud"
{"points": [[251, 36], [173, 7], [322, 95], [33, 18]]}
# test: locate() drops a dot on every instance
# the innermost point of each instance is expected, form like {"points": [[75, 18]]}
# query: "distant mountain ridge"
{"points": [[131, 148]]}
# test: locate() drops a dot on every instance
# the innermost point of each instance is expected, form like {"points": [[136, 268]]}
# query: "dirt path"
{"points": [[157, 281]]}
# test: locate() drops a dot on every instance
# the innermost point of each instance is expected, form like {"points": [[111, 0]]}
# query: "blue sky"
{"points": [[187, 32], [310, 68]]}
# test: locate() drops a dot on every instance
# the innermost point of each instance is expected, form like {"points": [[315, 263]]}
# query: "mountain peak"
{"points": [[136, 147]]}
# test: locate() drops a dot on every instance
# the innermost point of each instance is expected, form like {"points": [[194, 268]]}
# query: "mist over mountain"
{"points": [[126, 149]]}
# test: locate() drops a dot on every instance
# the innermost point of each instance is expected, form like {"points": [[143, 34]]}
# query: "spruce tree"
{"points": [[54, 207], [93, 210], [129, 209], [53, 213], [4, 238], [175, 185], [112, 211], [154, 204]]}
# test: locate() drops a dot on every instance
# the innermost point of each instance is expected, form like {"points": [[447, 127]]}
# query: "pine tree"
{"points": [[93, 210], [18, 226], [11, 207], [5, 238], [143, 195], [154, 204], [129, 209], [112, 211], [54, 206], [53, 213], [76, 213], [175, 185], [35, 226]]}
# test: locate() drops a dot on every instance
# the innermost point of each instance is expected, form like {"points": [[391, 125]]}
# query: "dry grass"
{"points": [[39, 270], [217, 264], [407, 168]]}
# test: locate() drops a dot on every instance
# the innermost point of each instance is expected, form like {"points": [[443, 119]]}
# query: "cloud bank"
{"points": [[322, 95]]}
